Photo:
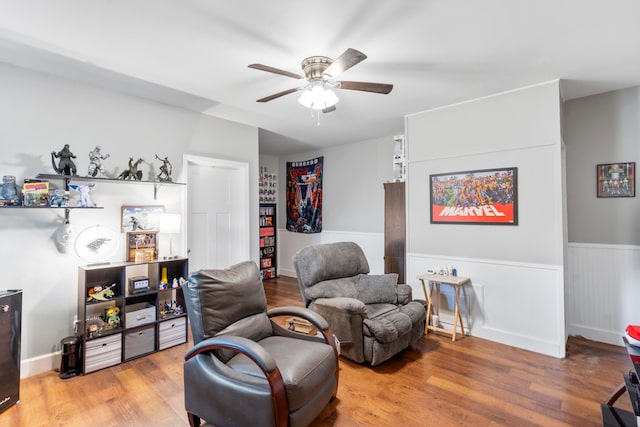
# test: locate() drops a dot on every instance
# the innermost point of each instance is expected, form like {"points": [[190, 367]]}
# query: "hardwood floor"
{"points": [[471, 382]]}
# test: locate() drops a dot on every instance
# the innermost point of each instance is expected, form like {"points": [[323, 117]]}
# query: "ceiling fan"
{"points": [[319, 72]]}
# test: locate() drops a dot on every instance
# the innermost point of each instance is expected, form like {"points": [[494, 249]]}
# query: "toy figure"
{"points": [[9, 194], [133, 171], [66, 165], [84, 190], [59, 198], [113, 317], [165, 170], [95, 162]]}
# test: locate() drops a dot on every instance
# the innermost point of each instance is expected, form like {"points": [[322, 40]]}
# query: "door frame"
{"points": [[244, 245]]}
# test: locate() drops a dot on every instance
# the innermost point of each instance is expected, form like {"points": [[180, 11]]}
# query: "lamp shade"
{"points": [[318, 97], [170, 223]]}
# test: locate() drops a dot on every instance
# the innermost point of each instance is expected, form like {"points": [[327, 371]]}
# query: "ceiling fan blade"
{"points": [[275, 71], [329, 109], [278, 95], [366, 86], [348, 59]]}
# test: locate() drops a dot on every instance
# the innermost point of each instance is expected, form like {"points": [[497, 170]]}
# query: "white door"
{"points": [[217, 212]]}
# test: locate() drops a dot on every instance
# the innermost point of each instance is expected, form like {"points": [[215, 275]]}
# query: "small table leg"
{"points": [[457, 315], [428, 296]]}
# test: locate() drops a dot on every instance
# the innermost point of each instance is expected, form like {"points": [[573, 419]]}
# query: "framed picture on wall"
{"points": [[487, 196], [616, 179], [141, 218]]}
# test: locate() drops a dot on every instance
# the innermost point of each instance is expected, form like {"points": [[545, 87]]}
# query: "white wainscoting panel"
{"points": [[289, 243], [603, 290], [517, 304]]}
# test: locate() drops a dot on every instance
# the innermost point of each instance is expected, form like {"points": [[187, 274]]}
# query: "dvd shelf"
{"points": [[268, 260]]}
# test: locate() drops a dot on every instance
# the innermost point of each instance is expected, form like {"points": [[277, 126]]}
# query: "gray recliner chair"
{"points": [[245, 369], [372, 316]]}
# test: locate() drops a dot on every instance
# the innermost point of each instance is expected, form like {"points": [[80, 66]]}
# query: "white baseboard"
{"points": [[39, 364]]}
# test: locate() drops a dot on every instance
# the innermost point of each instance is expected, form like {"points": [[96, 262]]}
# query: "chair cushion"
{"points": [[304, 365], [317, 263], [344, 287], [377, 288], [388, 327], [213, 296]]}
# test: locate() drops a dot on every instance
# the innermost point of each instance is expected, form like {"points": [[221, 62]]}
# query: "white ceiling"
{"points": [[194, 54]]}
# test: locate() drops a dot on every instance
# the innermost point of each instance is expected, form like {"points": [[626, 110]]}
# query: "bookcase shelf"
{"points": [[148, 320], [268, 243]]}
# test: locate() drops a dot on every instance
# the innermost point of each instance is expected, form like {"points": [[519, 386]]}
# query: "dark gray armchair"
{"points": [[245, 369], [372, 316]]}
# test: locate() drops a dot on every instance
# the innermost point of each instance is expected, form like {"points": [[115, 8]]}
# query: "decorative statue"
{"points": [[63, 237], [84, 201], [165, 170], [9, 191], [66, 165], [133, 171], [95, 163]]}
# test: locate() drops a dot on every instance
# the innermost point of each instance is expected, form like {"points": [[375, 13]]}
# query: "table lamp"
{"points": [[170, 224]]}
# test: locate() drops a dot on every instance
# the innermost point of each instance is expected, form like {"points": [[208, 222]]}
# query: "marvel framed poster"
{"points": [[487, 196]]}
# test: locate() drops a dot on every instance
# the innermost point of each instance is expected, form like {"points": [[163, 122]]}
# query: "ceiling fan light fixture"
{"points": [[318, 97]]}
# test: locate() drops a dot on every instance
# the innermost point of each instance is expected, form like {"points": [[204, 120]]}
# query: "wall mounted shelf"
{"points": [[69, 178]]}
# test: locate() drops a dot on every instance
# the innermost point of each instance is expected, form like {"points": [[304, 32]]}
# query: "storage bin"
{"points": [[139, 341], [103, 352], [139, 314], [173, 332]]}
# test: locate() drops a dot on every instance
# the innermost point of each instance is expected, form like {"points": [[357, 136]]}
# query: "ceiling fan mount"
{"points": [[314, 67], [320, 71]]}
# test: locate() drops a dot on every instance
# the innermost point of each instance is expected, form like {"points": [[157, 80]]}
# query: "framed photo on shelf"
{"points": [[142, 246], [141, 218], [616, 179], [487, 196]]}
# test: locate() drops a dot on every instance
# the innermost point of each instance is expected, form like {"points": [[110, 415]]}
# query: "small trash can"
{"points": [[70, 364]]}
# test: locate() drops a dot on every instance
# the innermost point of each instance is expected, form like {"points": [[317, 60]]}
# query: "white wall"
{"points": [[353, 200], [604, 253], [517, 295], [41, 113]]}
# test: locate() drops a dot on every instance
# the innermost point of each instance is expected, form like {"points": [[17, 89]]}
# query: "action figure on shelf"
{"points": [[95, 162], [9, 193], [66, 165], [84, 201], [165, 170], [133, 171], [59, 198]]}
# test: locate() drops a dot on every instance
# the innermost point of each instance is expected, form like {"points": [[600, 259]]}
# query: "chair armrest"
{"points": [[251, 349], [404, 293], [261, 358]]}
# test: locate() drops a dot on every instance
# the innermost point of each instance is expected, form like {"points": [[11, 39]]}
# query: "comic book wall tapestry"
{"points": [[304, 196], [488, 196]]}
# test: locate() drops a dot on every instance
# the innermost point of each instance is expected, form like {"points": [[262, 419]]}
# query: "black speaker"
{"points": [[71, 365]]}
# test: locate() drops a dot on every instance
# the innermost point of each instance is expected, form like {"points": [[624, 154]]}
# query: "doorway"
{"points": [[217, 212]]}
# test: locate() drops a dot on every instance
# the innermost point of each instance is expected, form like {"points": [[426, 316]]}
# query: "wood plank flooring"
{"points": [[471, 382]]}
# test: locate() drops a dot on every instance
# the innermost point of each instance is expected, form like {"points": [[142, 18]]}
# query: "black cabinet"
{"points": [[616, 417], [10, 341], [268, 255]]}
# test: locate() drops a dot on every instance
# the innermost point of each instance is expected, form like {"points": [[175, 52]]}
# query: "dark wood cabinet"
{"points": [[394, 229]]}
